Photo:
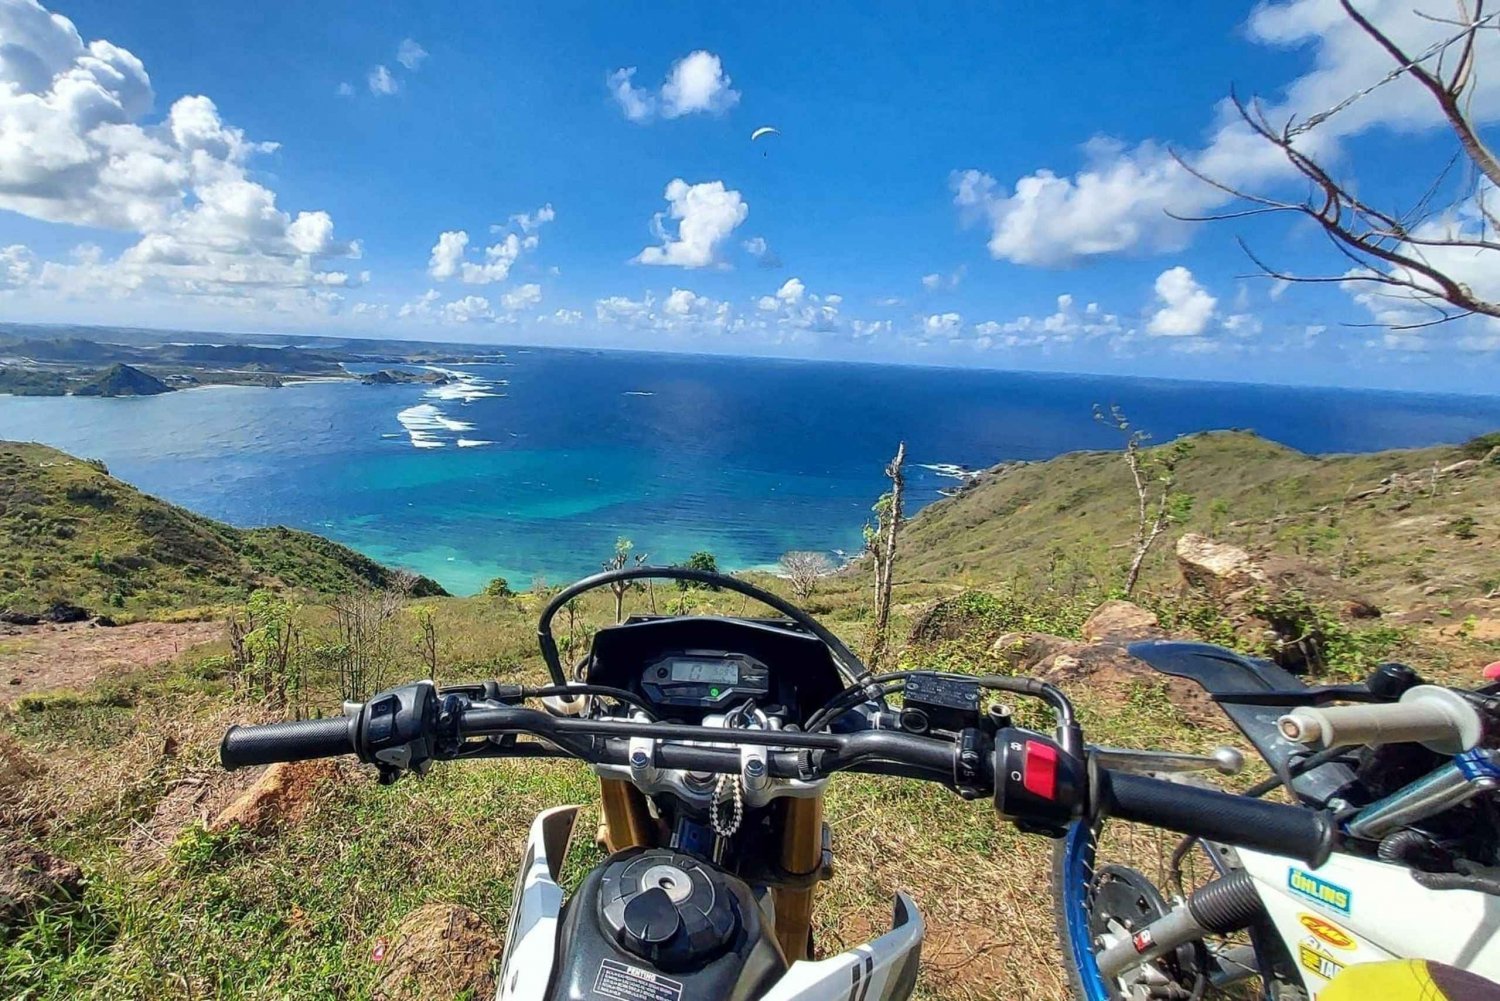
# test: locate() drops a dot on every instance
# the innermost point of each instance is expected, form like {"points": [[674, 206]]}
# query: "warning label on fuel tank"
{"points": [[631, 983]]}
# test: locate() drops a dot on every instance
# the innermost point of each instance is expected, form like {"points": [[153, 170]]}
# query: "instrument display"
{"points": [[705, 679]]}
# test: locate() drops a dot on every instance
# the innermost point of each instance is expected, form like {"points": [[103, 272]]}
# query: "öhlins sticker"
{"points": [[1319, 891]]}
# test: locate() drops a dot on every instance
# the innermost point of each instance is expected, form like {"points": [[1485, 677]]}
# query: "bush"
{"points": [[499, 587], [701, 560], [1463, 527]]}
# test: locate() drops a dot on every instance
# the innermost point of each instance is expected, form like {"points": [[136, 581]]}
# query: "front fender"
{"points": [[531, 937]]}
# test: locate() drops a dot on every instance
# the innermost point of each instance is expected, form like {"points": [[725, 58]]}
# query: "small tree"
{"points": [[802, 570], [701, 560], [1154, 475], [619, 561], [880, 542], [498, 587], [263, 641], [365, 643], [427, 637]]}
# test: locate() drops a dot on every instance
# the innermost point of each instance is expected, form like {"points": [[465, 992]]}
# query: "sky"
{"points": [[969, 184]]}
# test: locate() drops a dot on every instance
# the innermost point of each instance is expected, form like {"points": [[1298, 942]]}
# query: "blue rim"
{"points": [[1077, 867]]}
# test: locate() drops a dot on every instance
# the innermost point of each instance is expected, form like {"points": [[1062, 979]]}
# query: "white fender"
{"points": [[531, 938], [1355, 910], [884, 969]]}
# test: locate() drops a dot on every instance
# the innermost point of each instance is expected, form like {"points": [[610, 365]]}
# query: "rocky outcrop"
{"points": [[1121, 621], [282, 794], [1273, 603], [123, 380], [437, 951]]}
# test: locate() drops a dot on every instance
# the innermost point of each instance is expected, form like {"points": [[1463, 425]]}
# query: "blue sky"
{"points": [[968, 184]]}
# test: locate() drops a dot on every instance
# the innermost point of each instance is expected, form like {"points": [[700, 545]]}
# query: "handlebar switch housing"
{"points": [[1039, 786], [398, 730]]}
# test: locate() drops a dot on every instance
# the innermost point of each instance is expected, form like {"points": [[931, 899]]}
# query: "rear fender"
{"points": [[884, 969], [531, 938]]}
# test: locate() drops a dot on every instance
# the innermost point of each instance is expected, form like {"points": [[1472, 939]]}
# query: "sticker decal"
{"points": [[1327, 931], [1317, 961], [1319, 891], [631, 983]]}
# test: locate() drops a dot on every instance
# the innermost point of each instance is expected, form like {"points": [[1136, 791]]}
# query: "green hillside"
{"points": [[71, 532], [1426, 530]]}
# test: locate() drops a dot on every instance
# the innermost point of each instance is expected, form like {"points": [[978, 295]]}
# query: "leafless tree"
{"points": [[802, 570], [1408, 255], [619, 561], [364, 624], [1154, 475], [880, 542]]}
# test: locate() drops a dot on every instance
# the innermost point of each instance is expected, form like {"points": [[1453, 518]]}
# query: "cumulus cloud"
{"points": [[469, 309], [1119, 202], [524, 297], [345, 89], [410, 54], [705, 215], [941, 324], [1186, 306], [696, 84], [16, 262], [381, 82], [75, 149], [758, 248], [448, 258]]}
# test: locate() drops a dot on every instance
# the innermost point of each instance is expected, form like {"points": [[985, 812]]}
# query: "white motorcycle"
{"points": [[1406, 769], [714, 739]]}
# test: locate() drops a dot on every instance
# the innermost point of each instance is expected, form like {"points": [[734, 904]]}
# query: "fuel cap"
{"points": [[673, 910]]}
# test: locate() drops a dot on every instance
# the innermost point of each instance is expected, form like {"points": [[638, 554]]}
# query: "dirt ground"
{"points": [[38, 658]]}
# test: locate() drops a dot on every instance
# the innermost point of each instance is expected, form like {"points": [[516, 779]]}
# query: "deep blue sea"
{"points": [[534, 467]]}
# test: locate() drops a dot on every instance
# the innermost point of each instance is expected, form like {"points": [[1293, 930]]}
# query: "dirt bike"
{"points": [[1407, 769], [714, 739]]}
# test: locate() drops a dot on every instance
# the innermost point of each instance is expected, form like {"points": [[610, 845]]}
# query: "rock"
{"points": [[61, 612], [1217, 567], [438, 951], [281, 795], [104, 622], [30, 878], [1108, 669], [1461, 466], [14, 618], [1121, 620], [1022, 652]]}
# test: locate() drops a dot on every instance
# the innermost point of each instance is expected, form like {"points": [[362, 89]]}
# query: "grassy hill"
{"points": [[71, 532], [1425, 534], [122, 380]]}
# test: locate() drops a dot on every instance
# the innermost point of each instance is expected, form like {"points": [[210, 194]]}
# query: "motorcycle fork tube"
{"points": [[801, 855], [627, 824]]}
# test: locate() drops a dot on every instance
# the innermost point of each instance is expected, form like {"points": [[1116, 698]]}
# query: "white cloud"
{"points": [[469, 309], [706, 214], [16, 262], [530, 222], [410, 54], [1064, 325], [681, 302], [1119, 202], [756, 246], [74, 150], [932, 281], [524, 297], [941, 324], [791, 291], [696, 84], [638, 103], [565, 317], [346, 89], [1186, 307], [447, 254], [381, 82]]}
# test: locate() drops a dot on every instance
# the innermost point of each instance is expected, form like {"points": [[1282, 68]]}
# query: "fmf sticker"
{"points": [[1319, 891], [1314, 960], [1327, 931]]}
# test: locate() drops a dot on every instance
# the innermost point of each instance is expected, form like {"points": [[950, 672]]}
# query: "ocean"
{"points": [[533, 467]]}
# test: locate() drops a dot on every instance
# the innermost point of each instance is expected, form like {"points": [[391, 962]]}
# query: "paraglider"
{"points": [[764, 130]]}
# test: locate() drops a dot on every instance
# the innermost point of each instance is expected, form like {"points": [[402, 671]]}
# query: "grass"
{"points": [[71, 532]]}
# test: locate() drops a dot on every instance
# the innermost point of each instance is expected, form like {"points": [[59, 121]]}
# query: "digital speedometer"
{"points": [[704, 679]]}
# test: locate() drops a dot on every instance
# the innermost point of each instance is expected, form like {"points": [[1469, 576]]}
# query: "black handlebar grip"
{"points": [[1294, 831], [295, 741]]}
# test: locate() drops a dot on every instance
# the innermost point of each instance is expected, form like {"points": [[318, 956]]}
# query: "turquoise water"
{"points": [[567, 450]]}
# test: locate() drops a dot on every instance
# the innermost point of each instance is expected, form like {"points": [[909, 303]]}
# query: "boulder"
{"points": [[437, 951], [1217, 568], [31, 878], [14, 618], [1022, 652], [281, 795], [1121, 621], [61, 612]]}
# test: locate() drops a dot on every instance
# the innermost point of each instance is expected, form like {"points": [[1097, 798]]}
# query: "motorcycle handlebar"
{"points": [[299, 740], [1292, 831]]}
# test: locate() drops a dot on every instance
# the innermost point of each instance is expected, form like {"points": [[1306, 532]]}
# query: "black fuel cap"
{"points": [[651, 919], [673, 910]]}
